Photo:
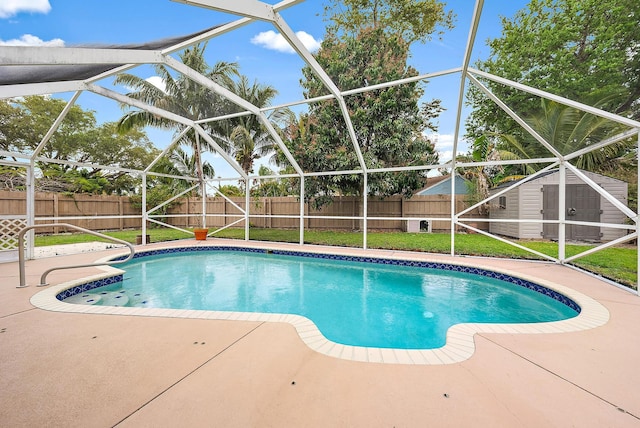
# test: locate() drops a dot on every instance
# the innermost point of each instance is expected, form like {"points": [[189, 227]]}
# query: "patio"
{"points": [[62, 369]]}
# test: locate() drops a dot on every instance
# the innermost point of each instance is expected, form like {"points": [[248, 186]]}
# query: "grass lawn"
{"points": [[618, 264]]}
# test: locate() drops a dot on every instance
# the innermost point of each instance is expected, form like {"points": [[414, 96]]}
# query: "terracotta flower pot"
{"points": [[201, 234]]}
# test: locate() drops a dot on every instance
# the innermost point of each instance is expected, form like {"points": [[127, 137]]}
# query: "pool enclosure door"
{"points": [[582, 204]]}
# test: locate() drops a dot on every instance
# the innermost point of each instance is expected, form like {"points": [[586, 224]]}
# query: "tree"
{"points": [[107, 146], [480, 177], [79, 139], [410, 20], [184, 164], [249, 140], [184, 97], [269, 187], [572, 48], [389, 122], [25, 121], [569, 130]]}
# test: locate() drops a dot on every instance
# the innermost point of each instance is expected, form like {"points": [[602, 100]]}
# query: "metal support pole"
{"points": [[247, 201], [562, 208], [453, 206], [365, 211], [145, 214], [31, 208], [203, 186], [301, 209], [203, 220]]}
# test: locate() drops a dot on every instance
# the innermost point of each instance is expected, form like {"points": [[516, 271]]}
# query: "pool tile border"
{"points": [[378, 260], [459, 342]]}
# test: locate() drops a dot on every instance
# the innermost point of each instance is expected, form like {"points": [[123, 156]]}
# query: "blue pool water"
{"points": [[351, 302]]}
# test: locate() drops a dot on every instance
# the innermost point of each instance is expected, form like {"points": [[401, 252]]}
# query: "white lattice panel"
{"points": [[9, 229]]}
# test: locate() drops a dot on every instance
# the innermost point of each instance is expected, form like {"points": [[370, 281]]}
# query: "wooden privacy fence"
{"points": [[50, 205], [274, 212], [284, 212]]}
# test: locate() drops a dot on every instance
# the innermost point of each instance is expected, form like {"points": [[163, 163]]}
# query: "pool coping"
{"points": [[459, 344]]}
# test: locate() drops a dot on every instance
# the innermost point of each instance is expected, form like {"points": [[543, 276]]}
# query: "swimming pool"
{"points": [[460, 343], [353, 301]]}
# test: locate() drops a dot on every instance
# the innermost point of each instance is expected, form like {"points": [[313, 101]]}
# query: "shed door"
{"points": [[582, 204], [550, 211]]}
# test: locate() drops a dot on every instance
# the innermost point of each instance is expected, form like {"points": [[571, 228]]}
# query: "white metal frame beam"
{"points": [[475, 21], [515, 117], [247, 8], [28, 89], [36, 55], [56, 124], [544, 94], [108, 93]]}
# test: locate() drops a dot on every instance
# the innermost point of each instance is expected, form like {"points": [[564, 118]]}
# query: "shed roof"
{"points": [[546, 174]]}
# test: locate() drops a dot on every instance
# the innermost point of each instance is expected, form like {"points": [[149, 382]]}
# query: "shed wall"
{"points": [[511, 210], [525, 203]]}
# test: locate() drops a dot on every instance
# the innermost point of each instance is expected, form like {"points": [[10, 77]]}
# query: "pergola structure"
{"points": [[47, 70]]}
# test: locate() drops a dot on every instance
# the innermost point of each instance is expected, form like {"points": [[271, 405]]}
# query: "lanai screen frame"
{"points": [[252, 10]]}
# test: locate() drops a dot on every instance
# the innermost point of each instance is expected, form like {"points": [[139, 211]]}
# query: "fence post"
{"points": [[188, 218], [56, 212], [121, 212], [224, 212]]}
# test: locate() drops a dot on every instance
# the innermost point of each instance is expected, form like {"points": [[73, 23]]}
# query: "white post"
{"points": [[365, 211], [301, 209], [562, 210], [31, 208], [145, 215], [204, 207], [247, 201], [203, 185], [453, 205]]}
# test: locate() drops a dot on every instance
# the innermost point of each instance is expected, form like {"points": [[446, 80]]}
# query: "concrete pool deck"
{"points": [[71, 369]]}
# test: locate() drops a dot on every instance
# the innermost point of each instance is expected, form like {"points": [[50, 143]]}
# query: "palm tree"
{"points": [[248, 139], [569, 130], [184, 164], [184, 97]]}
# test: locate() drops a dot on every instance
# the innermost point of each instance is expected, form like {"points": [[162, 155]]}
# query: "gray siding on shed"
{"points": [[611, 214], [510, 210], [525, 203]]}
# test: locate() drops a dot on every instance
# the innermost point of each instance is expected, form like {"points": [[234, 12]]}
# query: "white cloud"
{"points": [[31, 40], [154, 80], [445, 156], [9, 8], [274, 41], [444, 145], [157, 82]]}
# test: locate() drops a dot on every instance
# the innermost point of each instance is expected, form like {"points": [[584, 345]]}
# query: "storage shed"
{"points": [[538, 200]]}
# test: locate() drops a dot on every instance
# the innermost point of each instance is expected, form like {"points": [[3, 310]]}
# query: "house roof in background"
{"points": [[442, 186]]}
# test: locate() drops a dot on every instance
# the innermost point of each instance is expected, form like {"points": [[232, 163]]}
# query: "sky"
{"points": [[259, 50]]}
